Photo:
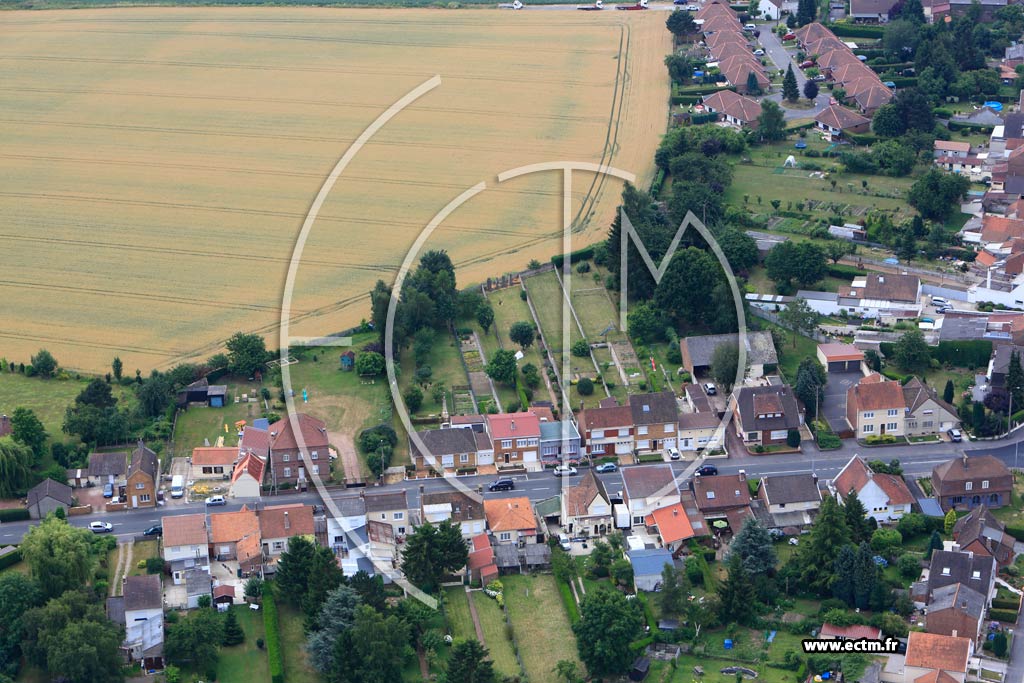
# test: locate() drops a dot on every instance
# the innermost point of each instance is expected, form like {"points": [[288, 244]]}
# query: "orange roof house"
{"points": [[929, 654], [508, 519], [236, 536], [885, 496], [674, 524]]}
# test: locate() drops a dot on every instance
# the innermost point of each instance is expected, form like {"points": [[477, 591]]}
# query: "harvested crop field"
{"points": [[158, 163]]}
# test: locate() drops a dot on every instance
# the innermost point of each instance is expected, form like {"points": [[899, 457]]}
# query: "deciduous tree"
{"points": [[27, 429], [771, 123], [246, 353], [725, 364], [521, 333], [810, 384], [502, 367], [373, 649], [608, 624], [59, 555], [911, 352], [44, 363]]}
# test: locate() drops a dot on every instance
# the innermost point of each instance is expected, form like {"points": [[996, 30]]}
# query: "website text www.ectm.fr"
{"points": [[868, 645]]}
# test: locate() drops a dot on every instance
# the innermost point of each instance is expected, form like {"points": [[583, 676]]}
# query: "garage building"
{"points": [[840, 357]]}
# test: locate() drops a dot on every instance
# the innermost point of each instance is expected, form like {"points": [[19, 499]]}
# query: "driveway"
{"points": [[1015, 668], [833, 407], [781, 57]]}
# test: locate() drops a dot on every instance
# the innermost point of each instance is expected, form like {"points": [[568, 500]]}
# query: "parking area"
{"points": [[833, 407], [91, 495]]}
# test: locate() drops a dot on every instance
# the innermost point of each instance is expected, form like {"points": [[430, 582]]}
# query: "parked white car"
{"points": [[564, 471], [100, 527]]}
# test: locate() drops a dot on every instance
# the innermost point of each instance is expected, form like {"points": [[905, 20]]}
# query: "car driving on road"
{"points": [[708, 471], [605, 468], [501, 485], [564, 471], [100, 527], [215, 500]]}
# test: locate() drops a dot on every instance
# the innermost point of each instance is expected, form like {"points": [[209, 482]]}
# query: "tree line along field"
{"points": [[163, 160]]}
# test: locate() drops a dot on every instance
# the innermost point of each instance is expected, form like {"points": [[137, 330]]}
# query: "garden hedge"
{"points": [[843, 272], [14, 515], [273, 638], [974, 353], [10, 559], [1005, 603], [584, 254], [856, 31], [1006, 615], [1016, 531], [571, 609]]}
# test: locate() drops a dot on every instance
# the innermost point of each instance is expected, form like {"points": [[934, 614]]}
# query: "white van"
{"points": [[177, 486], [939, 302]]}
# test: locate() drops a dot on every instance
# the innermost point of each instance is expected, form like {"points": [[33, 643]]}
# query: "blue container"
{"points": [[728, 643], [994, 106]]}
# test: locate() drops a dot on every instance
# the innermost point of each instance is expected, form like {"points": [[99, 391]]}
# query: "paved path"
{"points": [[781, 57], [476, 618], [1015, 668], [347, 456]]}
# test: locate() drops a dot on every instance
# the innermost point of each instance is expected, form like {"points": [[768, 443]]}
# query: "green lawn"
{"points": [[593, 304], [142, 551], [492, 621], [456, 609], [795, 349], [541, 624], [200, 423], [346, 402], [547, 298], [293, 646], [509, 308], [245, 663]]}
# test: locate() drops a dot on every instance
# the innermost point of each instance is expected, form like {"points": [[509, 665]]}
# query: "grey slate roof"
{"points": [[641, 482], [759, 345], [962, 327], [649, 561], [948, 567], [108, 464], [464, 507], [390, 500], [144, 460], [791, 488], [746, 397], [115, 609], [552, 431], [649, 409], [452, 441], [48, 488], [350, 505], [143, 592], [198, 582], [959, 597]]}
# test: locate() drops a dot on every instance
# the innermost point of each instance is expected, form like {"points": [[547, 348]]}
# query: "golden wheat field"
{"points": [[156, 164]]}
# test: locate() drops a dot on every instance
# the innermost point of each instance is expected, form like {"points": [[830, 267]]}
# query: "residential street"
{"points": [[773, 48], [916, 460]]}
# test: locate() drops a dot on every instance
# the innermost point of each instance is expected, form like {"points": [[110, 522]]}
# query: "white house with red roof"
{"points": [[247, 477], [884, 496]]}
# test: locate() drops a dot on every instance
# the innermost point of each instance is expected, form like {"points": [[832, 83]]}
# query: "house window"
{"points": [[911, 425], [287, 471], [521, 443], [752, 436], [869, 414], [313, 455], [711, 495], [139, 486], [597, 434], [669, 428], [464, 458], [315, 469], [968, 486], [597, 448], [286, 458], [531, 442], [893, 412], [401, 531], [984, 484], [549, 450], [642, 430], [144, 498], [890, 426], [279, 545], [869, 428], [624, 431], [927, 423], [399, 515], [207, 470], [504, 536], [506, 443]]}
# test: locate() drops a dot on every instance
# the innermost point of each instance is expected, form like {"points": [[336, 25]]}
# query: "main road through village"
{"points": [[916, 460]]}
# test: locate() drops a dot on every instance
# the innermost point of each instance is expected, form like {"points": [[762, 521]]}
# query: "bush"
{"points": [[14, 515], [11, 558], [154, 565], [1005, 615], [585, 387], [273, 638], [828, 441], [1005, 603]]}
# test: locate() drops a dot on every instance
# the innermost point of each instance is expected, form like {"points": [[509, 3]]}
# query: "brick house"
{"points": [[607, 430], [448, 450], [143, 477], [981, 533], [934, 657], [765, 415], [957, 610], [965, 483], [278, 523], [656, 421], [516, 440], [723, 497], [287, 465]]}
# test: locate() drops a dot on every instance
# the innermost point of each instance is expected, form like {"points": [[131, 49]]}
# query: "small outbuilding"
{"points": [[647, 566], [348, 361], [47, 496], [216, 395], [641, 667], [840, 357]]}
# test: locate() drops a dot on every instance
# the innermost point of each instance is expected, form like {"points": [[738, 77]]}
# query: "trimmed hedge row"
{"points": [[584, 254], [10, 559], [1006, 615], [1004, 603], [14, 515], [973, 353], [856, 31], [1016, 531], [570, 604], [843, 271], [273, 638]]}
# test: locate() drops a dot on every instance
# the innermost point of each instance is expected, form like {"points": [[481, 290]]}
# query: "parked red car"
{"points": [[789, 36], [807, 64]]}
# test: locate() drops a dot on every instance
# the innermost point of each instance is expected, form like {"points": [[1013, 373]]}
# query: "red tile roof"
{"points": [[737, 106], [513, 425], [231, 527], [840, 352], [184, 530], [314, 433], [935, 651], [510, 514], [285, 521], [211, 457], [985, 259], [875, 395], [672, 522], [251, 464], [841, 118], [856, 474]]}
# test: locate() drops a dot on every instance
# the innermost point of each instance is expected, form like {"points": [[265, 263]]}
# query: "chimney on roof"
{"points": [[513, 425], [965, 460], [287, 522]]}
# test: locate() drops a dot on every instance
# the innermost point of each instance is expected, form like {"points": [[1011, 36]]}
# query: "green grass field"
{"points": [[293, 646], [142, 551], [547, 298], [245, 663], [446, 367], [199, 423], [541, 625], [456, 610], [492, 621], [595, 309], [509, 308]]}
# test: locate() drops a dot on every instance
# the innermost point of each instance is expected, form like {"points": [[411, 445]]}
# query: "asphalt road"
{"points": [[772, 46], [916, 460]]}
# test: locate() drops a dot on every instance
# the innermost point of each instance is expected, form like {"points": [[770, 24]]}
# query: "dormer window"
{"points": [[976, 575], [945, 571], [647, 408], [711, 495]]}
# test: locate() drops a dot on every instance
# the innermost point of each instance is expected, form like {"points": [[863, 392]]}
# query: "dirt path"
{"points": [[125, 552], [476, 619], [347, 455]]}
